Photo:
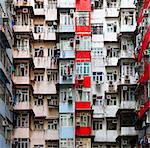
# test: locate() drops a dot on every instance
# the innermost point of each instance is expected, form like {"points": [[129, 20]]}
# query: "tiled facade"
{"points": [[80, 74]]}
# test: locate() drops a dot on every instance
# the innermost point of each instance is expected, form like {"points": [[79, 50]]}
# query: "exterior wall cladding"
{"points": [[80, 73]]}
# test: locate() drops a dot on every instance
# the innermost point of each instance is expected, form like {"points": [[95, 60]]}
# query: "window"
{"points": [[84, 43], [22, 120], [52, 76], [128, 119], [111, 100], [82, 19], [66, 120], [22, 95], [22, 19], [39, 5], [83, 95], [98, 4], [66, 94], [112, 52], [83, 68], [96, 145], [128, 18], [66, 43], [52, 100], [97, 52], [22, 44], [111, 124], [97, 28], [66, 143], [39, 52], [52, 144], [22, 70], [39, 77], [128, 69], [51, 29], [21, 143], [111, 76], [128, 95], [52, 4], [39, 125], [97, 125], [38, 100], [111, 3], [98, 76], [83, 119], [38, 146], [111, 27], [38, 29], [52, 124], [66, 19], [67, 69]]}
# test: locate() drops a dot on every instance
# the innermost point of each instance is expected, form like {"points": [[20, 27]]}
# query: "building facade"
{"points": [[80, 74], [6, 61], [142, 68]]}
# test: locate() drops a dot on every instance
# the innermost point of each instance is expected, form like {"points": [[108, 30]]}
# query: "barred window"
{"points": [[97, 28]]}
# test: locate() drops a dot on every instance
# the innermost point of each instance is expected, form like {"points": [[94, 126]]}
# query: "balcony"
{"points": [[66, 28], [66, 132], [49, 16], [45, 62], [127, 54], [44, 87], [83, 105], [22, 132], [50, 36], [111, 12], [39, 36], [111, 111], [127, 4], [21, 80], [43, 135], [67, 79], [39, 11], [128, 28], [127, 105], [83, 131], [22, 106], [67, 107], [111, 61], [21, 53], [39, 111], [66, 4], [108, 135], [23, 3], [128, 131], [126, 80], [5, 111], [67, 54], [110, 37], [22, 29]]}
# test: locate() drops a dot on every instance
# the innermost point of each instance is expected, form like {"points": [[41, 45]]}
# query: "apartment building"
{"points": [[6, 97], [142, 66], [75, 77]]}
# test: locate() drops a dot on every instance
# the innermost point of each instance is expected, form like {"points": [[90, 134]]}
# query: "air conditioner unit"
{"points": [[70, 99], [78, 123], [57, 46], [115, 72], [80, 77], [54, 23], [25, 10], [114, 121], [80, 143], [55, 121], [18, 92], [18, 36], [25, 1], [71, 11], [39, 37], [21, 65], [98, 82], [40, 122], [40, 97], [146, 53], [4, 123], [125, 142], [108, 96], [125, 87], [77, 40], [49, 72]]}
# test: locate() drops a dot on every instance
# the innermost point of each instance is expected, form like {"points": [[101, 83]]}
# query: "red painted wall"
{"points": [[83, 105], [82, 56], [83, 131], [87, 82], [83, 5]]}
